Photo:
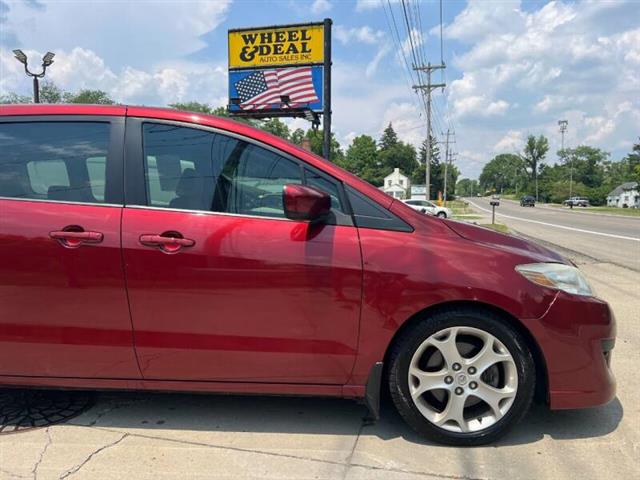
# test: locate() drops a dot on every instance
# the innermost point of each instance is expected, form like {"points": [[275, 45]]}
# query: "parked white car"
{"points": [[430, 208]]}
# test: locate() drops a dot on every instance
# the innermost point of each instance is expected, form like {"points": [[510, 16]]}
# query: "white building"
{"points": [[626, 195], [396, 184]]}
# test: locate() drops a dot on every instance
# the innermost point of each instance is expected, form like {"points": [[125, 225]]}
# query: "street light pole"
{"points": [[563, 128], [47, 60]]}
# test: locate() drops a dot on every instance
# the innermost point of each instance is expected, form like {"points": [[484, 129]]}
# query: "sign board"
{"points": [[276, 89], [282, 71], [276, 46]]}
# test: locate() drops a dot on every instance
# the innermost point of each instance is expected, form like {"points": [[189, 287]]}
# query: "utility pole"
{"points": [[563, 128], [446, 163], [448, 159], [426, 90]]}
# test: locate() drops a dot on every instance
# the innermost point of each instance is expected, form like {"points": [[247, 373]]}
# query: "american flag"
{"points": [[264, 88]]}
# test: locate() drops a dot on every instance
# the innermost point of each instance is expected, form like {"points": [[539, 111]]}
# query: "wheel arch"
{"points": [[542, 377]]}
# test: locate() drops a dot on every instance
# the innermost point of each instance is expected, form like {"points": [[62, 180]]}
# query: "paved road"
{"points": [[602, 237]]}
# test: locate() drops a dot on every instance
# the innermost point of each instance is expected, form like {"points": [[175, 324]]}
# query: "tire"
{"points": [[466, 322], [442, 215]]}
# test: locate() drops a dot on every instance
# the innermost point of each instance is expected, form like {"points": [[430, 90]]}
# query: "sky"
{"points": [[514, 68]]}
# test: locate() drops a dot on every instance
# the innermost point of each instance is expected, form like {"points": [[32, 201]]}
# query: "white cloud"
{"points": [[160, 85], [358, 34], [321, 6], [133, 33], [372, 66], [406, 120], [524, 69], [362, 5], [511, 142]]}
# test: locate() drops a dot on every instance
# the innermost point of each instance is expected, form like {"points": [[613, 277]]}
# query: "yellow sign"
{"points": [[276, 46]]}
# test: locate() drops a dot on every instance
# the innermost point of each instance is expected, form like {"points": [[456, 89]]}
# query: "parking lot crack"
{"points": [[34, 471], [353, 450], [417, 473], [78, 467]]}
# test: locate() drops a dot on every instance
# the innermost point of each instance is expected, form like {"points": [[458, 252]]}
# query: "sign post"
{"points": [[282, 71], [326, 116]]}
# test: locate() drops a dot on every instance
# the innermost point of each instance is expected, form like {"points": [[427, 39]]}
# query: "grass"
{"points": [[467, 217], [626, 212], [459, 207], [623, 212], [499, 227]]}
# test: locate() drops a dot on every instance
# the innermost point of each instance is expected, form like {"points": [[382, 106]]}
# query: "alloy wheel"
{"points": [[462, 379]]}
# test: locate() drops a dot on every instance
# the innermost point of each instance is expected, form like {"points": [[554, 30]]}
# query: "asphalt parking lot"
{"points": [[144, 436]]}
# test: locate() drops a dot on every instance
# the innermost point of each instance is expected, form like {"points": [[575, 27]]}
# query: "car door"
{"points": [[64, 310], [222, 286]]}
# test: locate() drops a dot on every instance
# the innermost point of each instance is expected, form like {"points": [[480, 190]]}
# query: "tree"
{"points": [[198, 107], [297, 136], [389, 138], [419, 173], [316, 138], [506, 171], [14, 98], [51, 93], [94, 97], [634, 162], [276, 127], [467, 188], [587, 164], [533, 154], [361, 159]]}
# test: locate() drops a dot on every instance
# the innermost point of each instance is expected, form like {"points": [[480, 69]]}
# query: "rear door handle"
{"points": [[74, 238], [168, 242]]}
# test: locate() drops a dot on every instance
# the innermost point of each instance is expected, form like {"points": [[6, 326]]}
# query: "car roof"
{"points": [[200, 119]]}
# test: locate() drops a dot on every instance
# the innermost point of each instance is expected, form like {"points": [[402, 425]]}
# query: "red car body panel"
{"points": [[255, 299], [264, 305], [64, 311]]}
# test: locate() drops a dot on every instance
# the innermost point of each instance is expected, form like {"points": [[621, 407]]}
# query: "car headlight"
{"points": [[558, 276]]}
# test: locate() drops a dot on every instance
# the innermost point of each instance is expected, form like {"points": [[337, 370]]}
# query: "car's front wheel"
{"points": [[462, 376], [442, 215]]}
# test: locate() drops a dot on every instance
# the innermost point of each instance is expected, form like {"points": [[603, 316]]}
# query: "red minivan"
{"points": [[145, 248]]}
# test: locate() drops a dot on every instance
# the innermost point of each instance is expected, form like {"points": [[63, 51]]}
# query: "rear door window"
{"points": [[57, 161]]}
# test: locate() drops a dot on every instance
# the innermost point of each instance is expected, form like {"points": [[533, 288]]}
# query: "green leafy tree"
{"points": [[316, 138], [94, 97], [14, 98], [297, 136], [276, 127], [389, 138], [362, 160], [51, 93], [534, 152], [587, 164], [506, 171], [418, 176], [198, 107], [633, 159], [467, 187], [392, 153]]}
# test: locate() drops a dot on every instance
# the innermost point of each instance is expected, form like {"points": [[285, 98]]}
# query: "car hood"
{"points": [[486, 236]]}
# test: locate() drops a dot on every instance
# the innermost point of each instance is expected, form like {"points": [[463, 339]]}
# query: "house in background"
{"points": [[396, 184], [626, 195]]}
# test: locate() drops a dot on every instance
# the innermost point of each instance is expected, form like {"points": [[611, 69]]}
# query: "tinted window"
{"points": [[54, 161], [368, 214], [192, 169], [320, 182]]}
